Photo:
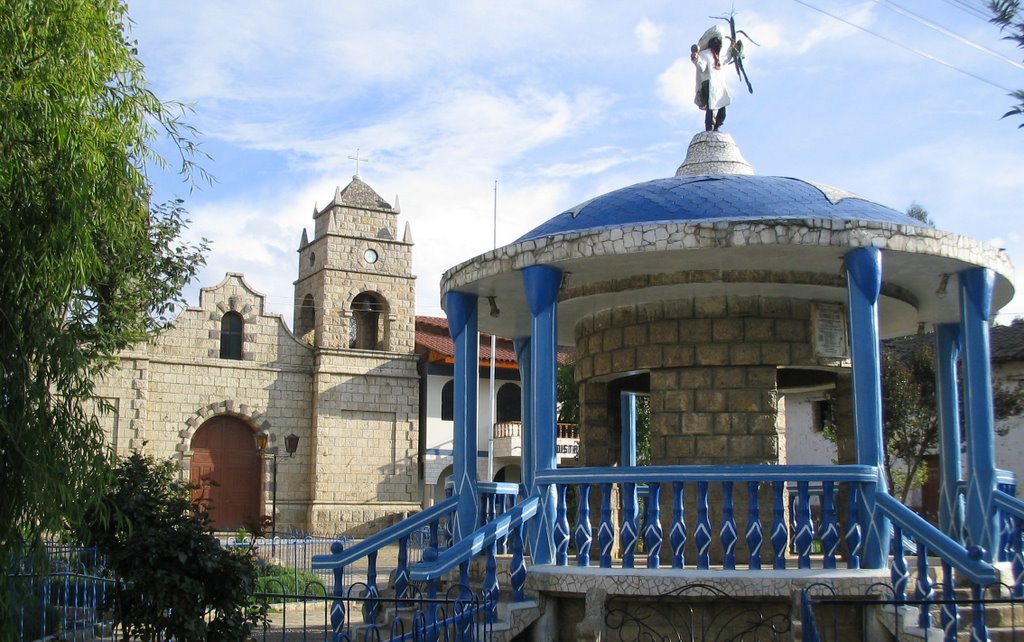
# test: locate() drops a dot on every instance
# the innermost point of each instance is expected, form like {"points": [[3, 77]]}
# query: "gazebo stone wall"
{"points": [[713, 365]]}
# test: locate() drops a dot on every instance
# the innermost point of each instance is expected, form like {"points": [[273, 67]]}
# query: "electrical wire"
{"points": [[973, 9], [891, 41], [892, 6]]}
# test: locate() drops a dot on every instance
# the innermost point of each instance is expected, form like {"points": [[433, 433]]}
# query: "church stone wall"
{"points": [[366, 444], [164, 390]]}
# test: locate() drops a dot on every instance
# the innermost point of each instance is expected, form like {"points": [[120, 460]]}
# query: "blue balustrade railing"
{"points": [[630, 501], [418, 539], [484, 540], [496, 498], [930, 541], [1011, 547], [341, 558]]}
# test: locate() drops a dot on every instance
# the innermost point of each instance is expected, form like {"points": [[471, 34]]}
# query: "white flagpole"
{"points": [[494, 343]]}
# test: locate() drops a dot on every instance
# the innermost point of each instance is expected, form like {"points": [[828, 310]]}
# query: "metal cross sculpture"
{"points": [[738, 57], [357, 159]]}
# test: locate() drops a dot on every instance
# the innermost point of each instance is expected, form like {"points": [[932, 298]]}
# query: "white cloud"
{"points": [[442, 156], [806, 30], [582, 168], [649, 35], [676, 85], [829, 29]]}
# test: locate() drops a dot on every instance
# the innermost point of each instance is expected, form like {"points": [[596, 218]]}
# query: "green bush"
{"points": [[277, 580], [175, 579]]}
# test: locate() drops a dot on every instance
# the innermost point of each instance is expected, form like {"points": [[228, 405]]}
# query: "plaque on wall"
{"points": [[829, 330]]}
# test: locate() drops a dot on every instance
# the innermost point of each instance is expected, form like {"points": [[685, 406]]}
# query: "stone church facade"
{"points": [[345, 383]]}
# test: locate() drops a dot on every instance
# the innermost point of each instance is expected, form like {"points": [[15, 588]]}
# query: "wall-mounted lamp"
{"points": [[495, 312], [943, 282], [291, 444]]}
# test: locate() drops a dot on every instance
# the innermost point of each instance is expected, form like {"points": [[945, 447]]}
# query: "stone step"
{"points": [[995, 634]]}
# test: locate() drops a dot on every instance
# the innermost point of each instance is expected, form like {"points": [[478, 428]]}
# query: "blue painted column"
{"points": [[527, 460], [975, 308], [864, 272], [541, 283], [462, 324], [947, 401]]}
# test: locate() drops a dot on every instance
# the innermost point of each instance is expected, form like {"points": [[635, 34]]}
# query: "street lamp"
{"points": [[291, 444]]}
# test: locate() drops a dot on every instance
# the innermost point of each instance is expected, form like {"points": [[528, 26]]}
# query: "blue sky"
{"points": [[562, 101]]}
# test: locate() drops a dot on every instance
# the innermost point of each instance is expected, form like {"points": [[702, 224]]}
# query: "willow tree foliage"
{"points": [[909, 422], [1009, 16], [87, 266]]}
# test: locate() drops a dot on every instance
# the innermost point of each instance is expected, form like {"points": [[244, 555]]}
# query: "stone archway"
{"points": [[226, 468]]}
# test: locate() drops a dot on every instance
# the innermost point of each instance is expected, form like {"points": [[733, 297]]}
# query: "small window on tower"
{"points": [[231, 325]]}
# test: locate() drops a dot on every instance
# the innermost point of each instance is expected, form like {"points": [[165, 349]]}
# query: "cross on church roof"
{"points": [[357, 159]]}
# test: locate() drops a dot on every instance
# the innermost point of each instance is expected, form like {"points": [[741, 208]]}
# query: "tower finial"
{"points": [[357, 159]]}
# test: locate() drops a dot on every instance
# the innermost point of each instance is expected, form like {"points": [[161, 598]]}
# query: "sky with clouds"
{"points": [[561, 101]]}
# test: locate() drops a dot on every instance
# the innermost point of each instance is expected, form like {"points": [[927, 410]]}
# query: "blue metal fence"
{"points": [[68, 600]]}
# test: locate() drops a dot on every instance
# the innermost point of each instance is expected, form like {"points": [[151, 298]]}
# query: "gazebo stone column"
{"points": [[864, 270], [975, 308], [542, 283], [462, 323], [947, 352]]}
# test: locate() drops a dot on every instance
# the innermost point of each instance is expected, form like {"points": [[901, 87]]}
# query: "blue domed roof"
{"points": [[718, 197]]}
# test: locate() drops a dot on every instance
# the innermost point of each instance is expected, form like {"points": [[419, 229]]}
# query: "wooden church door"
{"points": [[226, 470]]}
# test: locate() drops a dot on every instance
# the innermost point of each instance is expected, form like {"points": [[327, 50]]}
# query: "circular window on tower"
{"points": [[370, 256]]}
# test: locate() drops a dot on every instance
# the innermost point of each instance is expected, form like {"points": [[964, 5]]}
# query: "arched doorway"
{"points": [[226, 469], [511, 473]]}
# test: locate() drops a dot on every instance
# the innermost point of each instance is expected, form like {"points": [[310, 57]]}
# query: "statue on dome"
{"points": [[711, 93]]}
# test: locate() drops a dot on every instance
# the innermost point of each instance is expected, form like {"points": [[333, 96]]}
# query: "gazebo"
{"points": [[712, 292]]}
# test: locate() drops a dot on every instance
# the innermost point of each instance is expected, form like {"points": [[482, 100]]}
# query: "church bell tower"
{"points": [[355, 305], [355, 288]]}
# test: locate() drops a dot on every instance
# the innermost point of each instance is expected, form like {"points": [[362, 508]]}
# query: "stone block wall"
{"points": [[712, 364], [333, 289], [365, 472], [355, 413]]}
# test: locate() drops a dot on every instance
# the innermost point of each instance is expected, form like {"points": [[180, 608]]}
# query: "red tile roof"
{"points": [[433, 338]]}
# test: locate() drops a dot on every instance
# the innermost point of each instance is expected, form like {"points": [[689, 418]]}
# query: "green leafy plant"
{"points": [[275, 580], [175, 580]]}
